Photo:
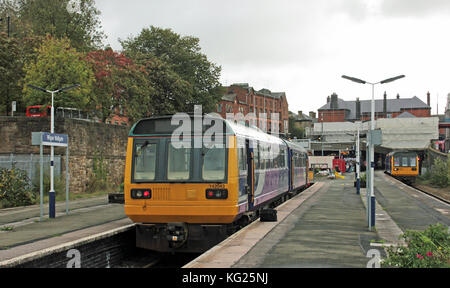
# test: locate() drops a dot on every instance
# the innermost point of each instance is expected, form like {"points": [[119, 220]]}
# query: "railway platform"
{"points": [[23, 235], [326, 226]]}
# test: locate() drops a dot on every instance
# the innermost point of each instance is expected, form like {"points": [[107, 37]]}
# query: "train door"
{"points": [[250, 174], [291, 169]]}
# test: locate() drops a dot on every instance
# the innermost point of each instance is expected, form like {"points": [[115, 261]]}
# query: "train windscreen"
{"points": [[405, 159], [159, 157]]}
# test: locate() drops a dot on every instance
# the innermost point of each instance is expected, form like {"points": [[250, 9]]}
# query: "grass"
{"points": [[7, 228]]}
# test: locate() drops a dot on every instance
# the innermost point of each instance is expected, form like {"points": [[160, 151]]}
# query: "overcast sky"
{"points": [[302, 47]]}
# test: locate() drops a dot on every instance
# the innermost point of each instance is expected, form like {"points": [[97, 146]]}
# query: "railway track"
{"points": [[421, 190]]}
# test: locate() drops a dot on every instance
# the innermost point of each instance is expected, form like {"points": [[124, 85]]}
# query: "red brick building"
{"points": [[241, 98], [338, 110]]}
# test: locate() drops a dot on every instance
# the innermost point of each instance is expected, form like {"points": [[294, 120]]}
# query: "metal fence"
{"points": [[30, 164]]}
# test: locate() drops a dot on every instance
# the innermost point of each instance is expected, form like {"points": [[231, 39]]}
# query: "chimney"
{"points": [[429, 99], [328, 99], [334, 101], [398, 96], [300, 114], [358, 109], [385, 104], [312, 115]]}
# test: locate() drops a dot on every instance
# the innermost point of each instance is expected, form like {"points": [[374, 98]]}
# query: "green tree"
{"points": [[294, 130], [13, 54], [58, 65], [77, 20], [10, 65], [181, 55]]}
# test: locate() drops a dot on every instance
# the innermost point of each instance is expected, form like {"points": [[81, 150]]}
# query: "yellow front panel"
{"points": [[183, 202], [405, 171]]}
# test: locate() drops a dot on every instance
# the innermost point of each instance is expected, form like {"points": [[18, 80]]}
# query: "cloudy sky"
{"points": [[302, 47]]}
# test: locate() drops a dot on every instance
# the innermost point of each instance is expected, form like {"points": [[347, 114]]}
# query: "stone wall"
{"points": [[89, 142]]}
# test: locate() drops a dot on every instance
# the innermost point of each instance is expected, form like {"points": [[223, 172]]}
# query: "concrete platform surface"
{"points": [[408, 207], [18, 214], [30, 235], [322, 227], [24, 253]]}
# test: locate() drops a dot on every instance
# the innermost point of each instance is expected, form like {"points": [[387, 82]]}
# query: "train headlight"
{"points": [[216, 194], [141, 193]]}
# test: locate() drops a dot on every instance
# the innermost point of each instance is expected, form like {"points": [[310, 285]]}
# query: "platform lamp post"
{"points": [[371, 205], [51, 195]]}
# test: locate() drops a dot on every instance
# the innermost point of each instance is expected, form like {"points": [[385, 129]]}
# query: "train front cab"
{"points": [[403, 165], [178, 196]]}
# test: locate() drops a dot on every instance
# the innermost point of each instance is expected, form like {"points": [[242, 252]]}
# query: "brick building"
{"points": [[241, 98], [338, 110]]}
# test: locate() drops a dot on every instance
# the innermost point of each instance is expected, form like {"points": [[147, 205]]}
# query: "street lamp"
{"points": [[51, 194], [372, 146]]}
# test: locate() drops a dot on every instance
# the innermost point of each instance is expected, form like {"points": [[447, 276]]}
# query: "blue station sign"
{"points": [[49, 139]]}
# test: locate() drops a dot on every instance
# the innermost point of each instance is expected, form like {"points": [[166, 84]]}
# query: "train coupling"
{"points": [[177, 232]]}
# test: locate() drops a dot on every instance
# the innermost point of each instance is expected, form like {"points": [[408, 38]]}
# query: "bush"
{"points": [[439, 173], [59, 184], [427, 249], [15, 188]]}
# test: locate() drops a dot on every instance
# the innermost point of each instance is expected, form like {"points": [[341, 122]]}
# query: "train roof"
{"points": [[161, 126], [400, 151], [295, 146]]}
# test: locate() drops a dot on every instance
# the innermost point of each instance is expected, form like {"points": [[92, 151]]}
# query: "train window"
{"points": [[397, 161], [242, 155], [145, 161], [179, 163], [413, 162], [283, 158], [405, 161], [256, 157], [214, 164]]}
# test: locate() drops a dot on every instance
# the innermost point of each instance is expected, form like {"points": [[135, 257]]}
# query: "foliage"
{"points": [[439, 173], [363, 179], [295, 131], [121, 85], [182, 56], [99, 179], [58, 65], [427, 249], [59, 183], [77, 20], [15, 189], [9, 66], [171, 94], [13, 55]]}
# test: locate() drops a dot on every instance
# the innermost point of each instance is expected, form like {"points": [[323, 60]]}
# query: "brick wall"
{"points": [[87, 141]]}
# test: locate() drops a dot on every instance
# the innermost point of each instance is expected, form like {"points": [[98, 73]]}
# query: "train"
{"points": [[187, 189], [403, 165]]}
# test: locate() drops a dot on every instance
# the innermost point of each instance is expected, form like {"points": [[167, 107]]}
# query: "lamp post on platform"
{"points": [[371, 205], [51, 195]]}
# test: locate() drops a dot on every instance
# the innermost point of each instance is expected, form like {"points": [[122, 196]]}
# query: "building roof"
{"points": [[393, 105], [406, 114], [229, 97]]}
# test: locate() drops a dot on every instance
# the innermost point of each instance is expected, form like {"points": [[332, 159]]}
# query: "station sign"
{"points": [[49, 139]]}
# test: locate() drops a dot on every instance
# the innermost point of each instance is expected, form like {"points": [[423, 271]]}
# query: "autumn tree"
{"points": [[182, 56], [121, 85], [58, 65]]}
